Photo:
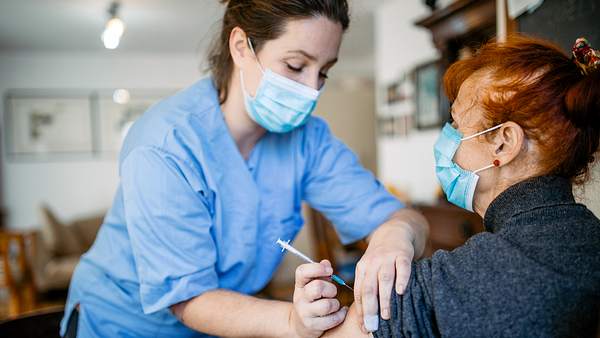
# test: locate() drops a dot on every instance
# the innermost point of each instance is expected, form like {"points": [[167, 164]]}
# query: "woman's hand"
{"points": [[315, 307], [391, 250]]}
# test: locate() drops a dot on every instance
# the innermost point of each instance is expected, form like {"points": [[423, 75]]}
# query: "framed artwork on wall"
{"points": [[427, 82], [48, 125], [43, 124], [116, 111], [396, 107], [395, 126], [400, 96]]}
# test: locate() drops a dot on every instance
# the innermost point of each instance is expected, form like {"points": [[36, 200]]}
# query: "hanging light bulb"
{"points": [[121, 96], [114, 29]]}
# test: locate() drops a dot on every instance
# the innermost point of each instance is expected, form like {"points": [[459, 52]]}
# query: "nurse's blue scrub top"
{"points": [[191, 215]]}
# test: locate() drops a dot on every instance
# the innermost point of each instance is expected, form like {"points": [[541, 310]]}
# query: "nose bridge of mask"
{"points": [[447, 145]]}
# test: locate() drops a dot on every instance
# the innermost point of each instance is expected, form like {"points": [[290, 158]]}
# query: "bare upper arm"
{"points": [[350, 328]]}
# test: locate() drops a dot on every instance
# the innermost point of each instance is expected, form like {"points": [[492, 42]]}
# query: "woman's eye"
{"points": [[294, 69]]}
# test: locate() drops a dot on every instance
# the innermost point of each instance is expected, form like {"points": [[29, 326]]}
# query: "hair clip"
{"points": [[586, 58]]}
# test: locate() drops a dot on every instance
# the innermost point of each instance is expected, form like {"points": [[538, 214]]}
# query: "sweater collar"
{"points": [[533, 193]]}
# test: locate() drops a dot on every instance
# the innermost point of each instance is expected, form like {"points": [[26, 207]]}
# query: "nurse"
{"points": [[211, 177]]}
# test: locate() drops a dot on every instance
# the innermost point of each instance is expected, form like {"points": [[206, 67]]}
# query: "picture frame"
{"points": [[428, 112], [399, 96], [395, 126], [47, 124], [115, 115], [62, 124]]}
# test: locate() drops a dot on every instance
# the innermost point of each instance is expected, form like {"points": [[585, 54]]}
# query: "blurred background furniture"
{"points": [[16, 272], [449, 226], [59, 247], [37, 265], [458, 30]]}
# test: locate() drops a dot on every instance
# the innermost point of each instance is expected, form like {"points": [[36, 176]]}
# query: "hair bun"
{"points": [[582, 101], [585, 57]]}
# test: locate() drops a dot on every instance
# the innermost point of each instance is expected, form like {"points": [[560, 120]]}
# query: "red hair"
{"points": [[536, 85]]}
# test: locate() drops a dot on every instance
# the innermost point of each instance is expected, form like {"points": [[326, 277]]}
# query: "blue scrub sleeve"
{"points": [[337, 185], [169, 225]]}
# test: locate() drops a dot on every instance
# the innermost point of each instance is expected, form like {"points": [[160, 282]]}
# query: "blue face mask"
{"points": [[458, 184], [280, 104]]}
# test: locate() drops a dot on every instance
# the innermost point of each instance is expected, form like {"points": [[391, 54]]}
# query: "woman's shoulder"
{"points": [[185, 117]]}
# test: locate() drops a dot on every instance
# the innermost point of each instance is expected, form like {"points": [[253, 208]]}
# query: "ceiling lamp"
{"points": [[114, 29]]}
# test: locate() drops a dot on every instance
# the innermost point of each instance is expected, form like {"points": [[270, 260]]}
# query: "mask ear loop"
{"points": [[254, 53], [242, 72], [496, 163], [482, 132]]}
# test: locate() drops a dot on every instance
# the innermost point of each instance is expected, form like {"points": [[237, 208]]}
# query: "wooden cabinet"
{"points": [[449, 226], [458, 30]]}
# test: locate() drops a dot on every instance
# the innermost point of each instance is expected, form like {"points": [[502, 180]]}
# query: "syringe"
{"points": [[288, 247]]}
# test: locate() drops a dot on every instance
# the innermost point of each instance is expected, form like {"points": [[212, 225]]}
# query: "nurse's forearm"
{"points": [[413, 222], [226, 313]]}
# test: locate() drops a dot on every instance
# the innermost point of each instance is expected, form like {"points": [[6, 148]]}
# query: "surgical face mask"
{"points": [[458, 184], [280, 104]]}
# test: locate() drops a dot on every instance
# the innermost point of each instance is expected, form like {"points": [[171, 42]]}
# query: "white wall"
{"points": [[79, 186], [400, 46], [348, 105]]}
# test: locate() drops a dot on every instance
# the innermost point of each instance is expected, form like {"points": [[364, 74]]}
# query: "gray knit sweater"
{"points": [[535, 272]]}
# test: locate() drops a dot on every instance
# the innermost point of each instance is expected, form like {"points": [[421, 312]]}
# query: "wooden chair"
{"points": [[16, 250], [38, 324], [326, 240]]}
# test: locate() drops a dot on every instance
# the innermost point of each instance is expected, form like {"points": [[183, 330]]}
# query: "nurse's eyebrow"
{"points": [[310, 56]]}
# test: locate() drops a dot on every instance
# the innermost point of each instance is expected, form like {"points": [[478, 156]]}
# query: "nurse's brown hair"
{"points": [[264, 20], [536, 85]]}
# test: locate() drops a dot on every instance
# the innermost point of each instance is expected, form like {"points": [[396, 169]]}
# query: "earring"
{"points": [[496, 163]]}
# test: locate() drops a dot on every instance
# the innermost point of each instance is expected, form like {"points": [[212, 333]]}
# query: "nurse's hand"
{"points": [[315, 307], [388, 257]]}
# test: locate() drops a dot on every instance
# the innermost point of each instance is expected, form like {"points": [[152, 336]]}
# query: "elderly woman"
{"points": [[525, 127]]}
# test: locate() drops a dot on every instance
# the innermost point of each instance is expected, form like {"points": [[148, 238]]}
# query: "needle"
{"points": [[288, 247]]}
